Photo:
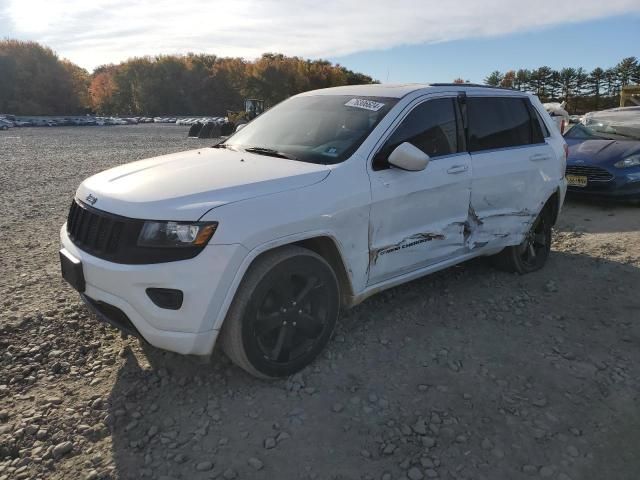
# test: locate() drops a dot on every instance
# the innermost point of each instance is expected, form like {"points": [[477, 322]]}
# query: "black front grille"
{"points": [[115, 238], [93, 231], [593, 174]]}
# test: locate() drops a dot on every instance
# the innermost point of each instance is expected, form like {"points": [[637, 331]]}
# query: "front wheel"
{"points": [[283, 314], [532, 253]]}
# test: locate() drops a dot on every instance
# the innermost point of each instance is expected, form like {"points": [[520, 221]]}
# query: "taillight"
{"points": [[562, 126], [566, 151]]}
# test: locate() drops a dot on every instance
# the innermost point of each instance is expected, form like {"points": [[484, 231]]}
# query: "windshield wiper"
{"points": [[270, 152]]}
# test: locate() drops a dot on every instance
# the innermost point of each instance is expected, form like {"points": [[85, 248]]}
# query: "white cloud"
{"points": [[92, 32]]}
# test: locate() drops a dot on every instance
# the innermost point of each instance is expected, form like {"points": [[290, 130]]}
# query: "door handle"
{"points": [[539, 157], [458, 169]]}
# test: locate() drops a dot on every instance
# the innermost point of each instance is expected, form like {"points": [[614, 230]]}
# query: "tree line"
{"points": [[583, 91], [35, 81]]}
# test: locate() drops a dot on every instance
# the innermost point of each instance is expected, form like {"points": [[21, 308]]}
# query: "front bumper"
{"points": [[624, 185], [204, 281]]}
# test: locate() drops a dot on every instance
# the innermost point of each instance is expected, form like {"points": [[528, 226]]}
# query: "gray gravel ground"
{"points": [[467, 374]]}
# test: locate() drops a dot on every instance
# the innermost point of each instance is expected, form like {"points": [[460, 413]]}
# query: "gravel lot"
{"points": [[469, 373]]}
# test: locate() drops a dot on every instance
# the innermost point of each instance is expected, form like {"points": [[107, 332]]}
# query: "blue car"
{"points": [[603, 161]]}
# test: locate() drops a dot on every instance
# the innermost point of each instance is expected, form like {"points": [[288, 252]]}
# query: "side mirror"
{"points": [[408, 157], [240, 127]]}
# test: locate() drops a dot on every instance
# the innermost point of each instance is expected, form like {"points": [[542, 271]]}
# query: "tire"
{"points": [[283, 313], [532, 253]]}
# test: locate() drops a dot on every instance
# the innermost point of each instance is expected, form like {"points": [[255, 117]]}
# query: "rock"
{"points": [[389, 449], [229, 474], [431, 473], [539, 402], [255, 463], [426, 462], [204, 466], [269, 443], [546, 472], [551, 286], [414, 473], [497, 452], [461, 439], [61, 449], [486, 444], [92, 475], [420, 428], [529, 469], [428, 442], [337, 407], [573, 451]]}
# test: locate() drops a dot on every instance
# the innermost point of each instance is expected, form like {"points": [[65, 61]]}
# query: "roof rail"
{"points": [[470, 85]]}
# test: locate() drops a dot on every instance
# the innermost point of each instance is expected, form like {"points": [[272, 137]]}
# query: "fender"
{"points": [[265, 247]]}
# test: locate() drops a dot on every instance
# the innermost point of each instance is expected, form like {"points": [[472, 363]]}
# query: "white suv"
{"points": [[327, 198]]}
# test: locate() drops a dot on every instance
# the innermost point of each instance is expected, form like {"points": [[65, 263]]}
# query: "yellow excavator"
{"points": [[631, 94], [252, 108], [215, 128]]}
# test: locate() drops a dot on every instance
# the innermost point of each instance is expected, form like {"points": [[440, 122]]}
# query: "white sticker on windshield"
{"points": [[366, 104]]}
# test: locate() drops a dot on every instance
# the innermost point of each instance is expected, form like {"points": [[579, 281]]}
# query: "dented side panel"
{"points": [[508, 190], [417, 218]]}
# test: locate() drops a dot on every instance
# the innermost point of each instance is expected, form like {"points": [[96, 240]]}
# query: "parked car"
{"points": [[5, 124], [604, 154], [325, 199]]}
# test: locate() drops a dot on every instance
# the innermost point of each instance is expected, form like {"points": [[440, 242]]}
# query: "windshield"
{"points": [[614, 124], [318, 129], [600, 131]]}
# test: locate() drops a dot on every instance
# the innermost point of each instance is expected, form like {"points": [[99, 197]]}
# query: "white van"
{"points": [[323, 200]]}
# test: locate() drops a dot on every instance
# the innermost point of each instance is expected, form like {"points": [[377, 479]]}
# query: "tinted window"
{"points": [[431, 127], [498, 123], [543, 127]]}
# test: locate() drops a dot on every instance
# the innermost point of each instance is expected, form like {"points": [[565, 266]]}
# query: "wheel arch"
{"points": [[552, 205], [322, 243]]}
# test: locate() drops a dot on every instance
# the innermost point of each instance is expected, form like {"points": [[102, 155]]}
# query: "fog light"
{"points": [[166, 297]]}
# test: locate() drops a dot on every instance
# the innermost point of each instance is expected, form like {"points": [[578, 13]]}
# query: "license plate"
{"points": [[577, 180], [72, 272]]}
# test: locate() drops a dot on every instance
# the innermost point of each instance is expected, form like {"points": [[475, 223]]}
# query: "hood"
{"points": [[185, 185], [600, 151]]}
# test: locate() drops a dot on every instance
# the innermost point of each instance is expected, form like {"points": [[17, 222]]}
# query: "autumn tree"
{"points": [[34, 81]]}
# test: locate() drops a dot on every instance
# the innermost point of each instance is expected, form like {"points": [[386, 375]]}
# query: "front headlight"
{"points": [[632, 161], [176, 234]]}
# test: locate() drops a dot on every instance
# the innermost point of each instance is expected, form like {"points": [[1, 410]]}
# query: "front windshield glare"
{"points": [[318, 129]]}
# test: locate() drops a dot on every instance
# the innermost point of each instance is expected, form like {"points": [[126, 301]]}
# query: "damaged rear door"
{"points": [[418, 218], [509, 157]]}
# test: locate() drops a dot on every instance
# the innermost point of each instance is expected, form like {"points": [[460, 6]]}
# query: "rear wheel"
{"points": [[532, 253], [283, 314]]}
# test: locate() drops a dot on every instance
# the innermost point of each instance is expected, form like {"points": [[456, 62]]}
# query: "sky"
{"points": [[396, 41]]}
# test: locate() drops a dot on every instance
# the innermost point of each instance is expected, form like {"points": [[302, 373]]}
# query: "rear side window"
{"points": [[500, 123], [543, 127], [431, 127]]}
